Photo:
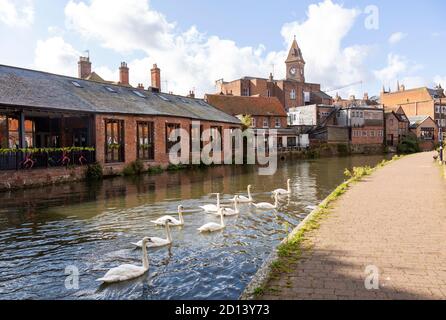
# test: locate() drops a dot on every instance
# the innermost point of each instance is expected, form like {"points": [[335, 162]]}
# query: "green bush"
{"points": [[134, 168], [409, 144], [94, 172], [155, 170], [343, 149], [175, 167]]}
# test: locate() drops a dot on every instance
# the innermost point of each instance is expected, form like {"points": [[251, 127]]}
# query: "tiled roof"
{"points": [[35, 89], [255, 106], [416, 121], [321, 94]]}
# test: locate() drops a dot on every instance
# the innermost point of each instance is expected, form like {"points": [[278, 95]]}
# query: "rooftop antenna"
{"points": [[274, 67], [87, 53]]}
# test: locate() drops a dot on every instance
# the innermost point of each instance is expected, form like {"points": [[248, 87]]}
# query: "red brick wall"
{"points": [[130, 135], [378, 137]]}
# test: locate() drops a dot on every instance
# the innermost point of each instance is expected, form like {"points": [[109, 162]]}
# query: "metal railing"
{"points": [[28, 159]]}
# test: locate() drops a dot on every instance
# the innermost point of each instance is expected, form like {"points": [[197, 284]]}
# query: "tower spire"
{"points": [[295, 63]]}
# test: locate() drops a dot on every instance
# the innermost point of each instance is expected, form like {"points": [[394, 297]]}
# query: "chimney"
{"points": [[366, 96], [156, 77], [124, 74], [271, 77], [140, 86], [352, 98], [84, 67], [191, 94]]}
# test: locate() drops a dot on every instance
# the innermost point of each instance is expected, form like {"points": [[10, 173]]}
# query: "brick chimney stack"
{"points": [[191, 94], [140, 86], [156, 77], [124, 74], [366, 96], [84, 67]]}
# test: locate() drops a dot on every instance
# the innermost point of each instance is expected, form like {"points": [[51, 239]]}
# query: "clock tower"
{"points": [[295, 64]]}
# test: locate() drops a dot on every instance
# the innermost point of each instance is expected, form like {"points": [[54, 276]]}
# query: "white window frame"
{"points": [[265, 121], [278, 123]]}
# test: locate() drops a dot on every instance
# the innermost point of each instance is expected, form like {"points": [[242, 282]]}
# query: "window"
{"points": [[437, 109], [114, 141], [13, 129], [76, 84], [171, 127], [372, 133], [110, 90], [265, 123], [163, 98], [268, 93], [254, 122], [145, 141], [380, 133], [307, 97], [245, 92], [278, 123], [427, 133], [293, 94], [139, 94], [364, 133]]}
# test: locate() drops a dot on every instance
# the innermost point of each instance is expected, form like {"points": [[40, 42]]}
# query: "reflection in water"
{"points": [[91, 227]]}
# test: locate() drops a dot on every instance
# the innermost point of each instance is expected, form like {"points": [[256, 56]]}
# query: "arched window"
{"points": [[293, 94]]}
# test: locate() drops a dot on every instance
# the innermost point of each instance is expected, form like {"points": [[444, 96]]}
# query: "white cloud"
{"points": [[440, 80], [57, 56], [320, 37], [191, 59], [399, 68], [123, 26], [17, 13], [397, 37]]}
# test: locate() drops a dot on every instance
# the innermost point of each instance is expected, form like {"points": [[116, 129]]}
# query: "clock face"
{"points": [[293, 71]]}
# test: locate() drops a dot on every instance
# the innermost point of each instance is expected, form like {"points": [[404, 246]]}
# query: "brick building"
{"points": [[426, 130], [291, 92], [266, 113], [418, 102], [121, 123], [397, 127]]}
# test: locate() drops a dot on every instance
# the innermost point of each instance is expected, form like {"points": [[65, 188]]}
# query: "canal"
{"points": [[47, 232]]}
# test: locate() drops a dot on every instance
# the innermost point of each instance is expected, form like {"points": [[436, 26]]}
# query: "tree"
{"points": [[246, 121]]}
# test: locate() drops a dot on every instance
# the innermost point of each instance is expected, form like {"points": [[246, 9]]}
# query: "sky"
{"points": [[350, 47]]}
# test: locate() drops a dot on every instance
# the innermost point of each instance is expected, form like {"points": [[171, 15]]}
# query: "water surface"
{"points": [[90, 227]]}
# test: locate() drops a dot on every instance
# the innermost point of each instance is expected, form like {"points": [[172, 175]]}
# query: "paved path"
{"points": [[394, 220]]}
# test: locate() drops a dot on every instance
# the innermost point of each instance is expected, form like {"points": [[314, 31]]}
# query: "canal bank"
{"points": [[387, 229]]}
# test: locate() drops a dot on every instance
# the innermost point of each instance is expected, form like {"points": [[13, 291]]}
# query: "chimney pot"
{"points": [[124, 74], [84, 67], [156, 77]]}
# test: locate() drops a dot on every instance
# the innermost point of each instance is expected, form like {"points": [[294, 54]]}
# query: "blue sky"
{"points": [[197, 42]]}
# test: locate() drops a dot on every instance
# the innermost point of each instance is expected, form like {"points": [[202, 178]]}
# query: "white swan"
{"points": [[174, 222], [210, 208], [227, 212], [243, 199], [212, 226], [128, 271], [283, 191], [268, 206], [154, 242]]}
